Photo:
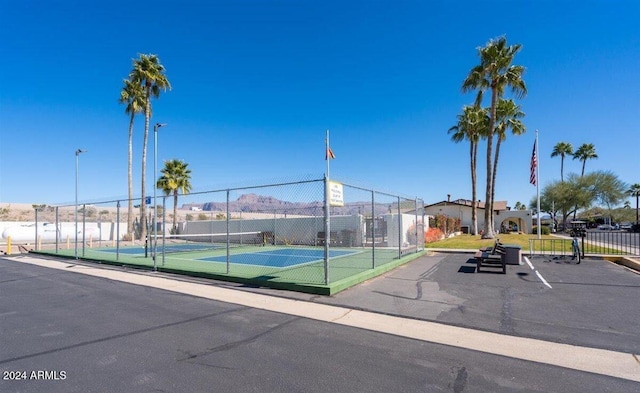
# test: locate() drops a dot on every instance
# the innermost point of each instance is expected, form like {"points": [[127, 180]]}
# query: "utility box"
{"points": [[513, 254]]}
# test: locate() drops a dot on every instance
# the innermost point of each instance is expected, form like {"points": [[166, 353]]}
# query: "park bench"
{"points": [[493, 257]]}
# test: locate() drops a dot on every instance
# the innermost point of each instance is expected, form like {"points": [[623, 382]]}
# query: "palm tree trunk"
{"points": [[495, 170], [143, 210], [130, 180], [562, 168], [175, 210], [488, 205], [474, 211]]}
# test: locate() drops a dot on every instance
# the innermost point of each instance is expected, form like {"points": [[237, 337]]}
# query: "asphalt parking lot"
{"points": [[592, 304], [107, 335]]}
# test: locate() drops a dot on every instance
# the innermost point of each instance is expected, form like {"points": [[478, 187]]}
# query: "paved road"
{"points": [[107, 335]]}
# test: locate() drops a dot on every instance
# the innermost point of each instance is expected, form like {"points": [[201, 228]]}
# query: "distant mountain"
{"points": [[253, 203]]}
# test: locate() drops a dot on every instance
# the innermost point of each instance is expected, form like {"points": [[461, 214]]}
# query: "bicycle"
{"points": [[575, 248]]}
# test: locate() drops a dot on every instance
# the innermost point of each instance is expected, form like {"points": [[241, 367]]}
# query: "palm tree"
{"points": [[471, 126], [585, 152], [495, 72], [634, 191], [148, 72], [562, 149], [132, 94], [176, 178], [508, 115]]}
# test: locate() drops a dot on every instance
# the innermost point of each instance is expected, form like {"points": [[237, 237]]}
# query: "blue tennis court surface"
{"points": [[284, 257], [167, 248]]}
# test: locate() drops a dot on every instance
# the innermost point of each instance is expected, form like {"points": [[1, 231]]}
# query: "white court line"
{"points": [[542, 279], [599, 361], [537, 272], [529, 263]]}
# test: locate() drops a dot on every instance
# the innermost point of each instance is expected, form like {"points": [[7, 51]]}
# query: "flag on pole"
{"points": [[329, 154], [533, 179]]}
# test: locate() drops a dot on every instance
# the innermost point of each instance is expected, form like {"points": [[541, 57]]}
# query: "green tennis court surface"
{"points": [[298, 268]]}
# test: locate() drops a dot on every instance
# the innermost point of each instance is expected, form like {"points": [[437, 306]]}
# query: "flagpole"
{"points": [[538, 184], [326, 149]]}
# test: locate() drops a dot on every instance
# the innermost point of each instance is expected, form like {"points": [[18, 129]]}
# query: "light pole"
{"points": [[155, 189], [76, 207]]}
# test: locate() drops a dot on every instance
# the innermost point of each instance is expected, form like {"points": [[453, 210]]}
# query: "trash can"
{"points": [[512, 254]]}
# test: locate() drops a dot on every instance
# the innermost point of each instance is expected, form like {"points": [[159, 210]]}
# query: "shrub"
{"points": [[544, 230], [433, 235]]}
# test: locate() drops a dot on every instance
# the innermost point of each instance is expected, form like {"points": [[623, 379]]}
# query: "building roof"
{"points": [[497, 205]]}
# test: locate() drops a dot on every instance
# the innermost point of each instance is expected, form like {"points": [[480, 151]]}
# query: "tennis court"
{"points": [[285, 235]]}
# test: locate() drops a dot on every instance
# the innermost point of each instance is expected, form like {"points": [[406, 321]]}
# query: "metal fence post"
{"points": [[399, 231], [373, 229], [327, 229], [84, 223], [164, 224], [58, 231], [118, 231], [36, 240], [416, 221], [227, 231]]}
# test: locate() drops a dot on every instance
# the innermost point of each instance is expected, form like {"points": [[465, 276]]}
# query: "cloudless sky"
{"points": [[257, 82]]}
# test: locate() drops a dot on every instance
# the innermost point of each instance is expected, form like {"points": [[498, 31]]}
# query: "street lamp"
{"points": [[76, 212], [155, 189]]}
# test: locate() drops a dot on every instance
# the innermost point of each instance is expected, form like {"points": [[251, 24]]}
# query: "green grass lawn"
{"points": [[471, 242]]}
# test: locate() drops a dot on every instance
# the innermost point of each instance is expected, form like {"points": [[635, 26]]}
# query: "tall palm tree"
{"points": [[132, 95], [585, 152], [175, 178], [471, 126], [634, 191], [495, 72], [562, 149], [148, 72], [508, 117]]}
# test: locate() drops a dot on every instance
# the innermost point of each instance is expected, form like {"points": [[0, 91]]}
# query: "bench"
{"points": [[492, 257], [491, 248]]}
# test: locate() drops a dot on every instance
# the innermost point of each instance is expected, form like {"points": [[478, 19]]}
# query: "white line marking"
{"points": [[542, 279], [529, 263], [537, 272]]}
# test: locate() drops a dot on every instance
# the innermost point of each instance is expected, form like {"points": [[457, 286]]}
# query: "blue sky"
{"points": [[257, 83]]}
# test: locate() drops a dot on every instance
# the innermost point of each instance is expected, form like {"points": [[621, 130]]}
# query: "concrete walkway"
{"points": [[599, 361]]}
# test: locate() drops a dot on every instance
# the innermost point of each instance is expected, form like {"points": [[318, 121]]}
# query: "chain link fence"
{"points": [[292, 232]]}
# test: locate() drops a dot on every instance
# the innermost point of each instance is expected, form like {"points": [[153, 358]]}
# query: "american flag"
{"points": [[329, 155], [534, 164]]}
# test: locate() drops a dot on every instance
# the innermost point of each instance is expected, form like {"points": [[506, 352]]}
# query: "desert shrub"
{"points": [[433, 235]]}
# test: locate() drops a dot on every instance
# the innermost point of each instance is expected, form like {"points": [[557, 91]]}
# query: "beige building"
{"points": [[504, 219]]}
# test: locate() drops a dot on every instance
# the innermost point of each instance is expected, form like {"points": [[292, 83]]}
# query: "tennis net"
{"points": [[205, 241]]}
